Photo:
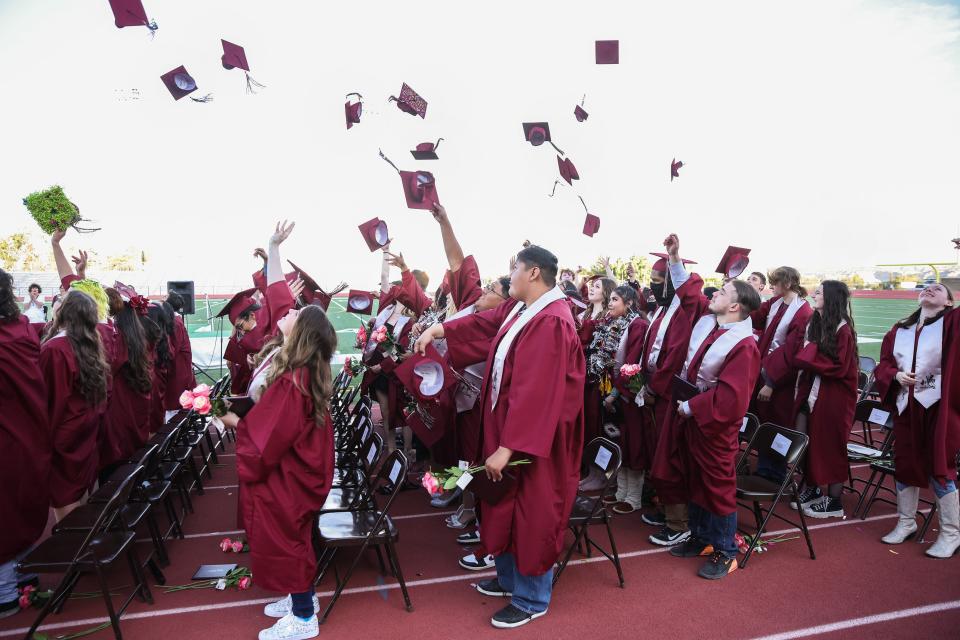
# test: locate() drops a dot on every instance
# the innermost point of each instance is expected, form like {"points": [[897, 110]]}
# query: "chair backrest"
{"points": [[169, 441], [111, 510], [772, 440], [748, 426], [392, 474], [870, 412], [867, 364], [370, 452]]}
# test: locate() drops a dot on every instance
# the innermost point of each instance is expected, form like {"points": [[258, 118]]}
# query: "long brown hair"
{"points": [[77, 316], [789, 278], [824, 323], [607, 286], [309, 346], [136, 370]]}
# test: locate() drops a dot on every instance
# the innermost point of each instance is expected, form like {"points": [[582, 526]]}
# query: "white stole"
{"points": [[929, 360], [496, 373], [780, 333], [716, 353], [661, 332], [258, 381]]}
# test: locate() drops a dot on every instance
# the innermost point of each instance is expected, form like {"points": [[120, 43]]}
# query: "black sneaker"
{"points": [[492, 588], [655, 519], [667, 537], [510, 617], [9, 608], [826, 507], [808, 497], [471, 537], [717, 566], [691, 548]]}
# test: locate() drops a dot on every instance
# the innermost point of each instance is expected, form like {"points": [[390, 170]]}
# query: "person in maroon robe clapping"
{"points": [[25, 443], [76, 372], [909, 379], [826, 398], [285, 467], [533, 410]]}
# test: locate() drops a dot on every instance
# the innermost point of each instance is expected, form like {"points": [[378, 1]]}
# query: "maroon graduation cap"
{"points": [[661, 264], [536, 133], [608, 51], [567, 171], [419, 187], [374, 233], [425, 376], [360, 302], [675, 169], [180, 83], [592, 223], [240, 303], [234, 57], [352, 110], [130, 13], [313, 293], [410, 102], [427, 150], [734, 261], [578, 111]]}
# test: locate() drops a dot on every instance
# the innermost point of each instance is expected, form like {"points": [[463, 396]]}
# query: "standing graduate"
{"points": [[680, 303], [532, 409], [25, 443], [162, 346], [245, 338], [909, 379], [285, 468], [722, 361], [826, 398], [593, 322], [181, 376], [75, 372]]}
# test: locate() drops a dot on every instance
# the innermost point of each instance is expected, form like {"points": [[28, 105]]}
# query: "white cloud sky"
{"points": [[821, 134]]}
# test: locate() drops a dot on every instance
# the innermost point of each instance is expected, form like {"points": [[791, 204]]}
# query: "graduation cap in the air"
{"points": [[419, 187], [235, 57], [734, 261], [180, 83], [567, 171], [410, 102], [426, 150], [592, 223], [578, 111], [675, 169], [608, 51], [239, 304], [425, 376], [130, 13], [661, 264], [536, 133], [312, 292], [352, 110], [374, 233], [360, 302]]}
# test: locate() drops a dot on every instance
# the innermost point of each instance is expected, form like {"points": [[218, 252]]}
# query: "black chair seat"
{"points": [[756, 488], [169, 470], [583, 508], [341, 499], [59, 550], [347, 527], [85, 516]]}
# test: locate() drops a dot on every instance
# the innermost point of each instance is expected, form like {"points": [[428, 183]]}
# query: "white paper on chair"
{"points": [[860, 450], [879, 416], [464, 480], [395, 472], [603, 458], [780, 444], [743, 425], [371, 455]]}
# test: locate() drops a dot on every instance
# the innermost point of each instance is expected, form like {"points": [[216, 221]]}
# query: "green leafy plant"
{"points": [[53, 210]]}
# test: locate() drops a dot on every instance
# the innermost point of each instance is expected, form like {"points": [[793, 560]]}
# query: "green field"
{"points": [[873, 318]]}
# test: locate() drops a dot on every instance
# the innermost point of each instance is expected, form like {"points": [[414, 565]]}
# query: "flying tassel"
{"points": [[389, 161], [556, 147], [584, 204], [557, 182], [437, 146], [205, 99], [337, 289], [152, 26], [251, 83]]}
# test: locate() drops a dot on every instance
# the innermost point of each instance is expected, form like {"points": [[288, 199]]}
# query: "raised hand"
{"points": [[260, 253], [282, 232], [296, 288], [439, 213], [672, 244], [395, 260], [80, 264], [58, 235]]}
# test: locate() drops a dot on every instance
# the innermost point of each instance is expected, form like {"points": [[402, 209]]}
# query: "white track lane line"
{"points": [[386, 587]]}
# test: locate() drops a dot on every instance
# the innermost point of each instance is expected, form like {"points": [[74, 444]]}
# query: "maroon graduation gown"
{"points": [[831, 419], [74, 425], [638, 433], [285, 469], [710, 437], [161, 374], [181, 376], [277, 303], [946, 440], [126, 423], [924, 445], [539, 415], [465, 288], [778, 365], [667, 472], [24, 439]]}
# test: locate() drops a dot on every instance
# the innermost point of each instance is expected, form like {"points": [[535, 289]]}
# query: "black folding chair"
{"points": [[869, 413], [748, 426], [363, 528], [95, 551], [352, 475], [865, 380], [604, 456], [753, 491]]}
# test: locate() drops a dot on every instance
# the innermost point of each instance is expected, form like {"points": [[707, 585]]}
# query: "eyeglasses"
{"points": [[490, 288]]}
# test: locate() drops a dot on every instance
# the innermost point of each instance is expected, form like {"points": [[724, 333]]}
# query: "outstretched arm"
{"points": [[385, 270], [63, 265], [274, 268], [451, 245]]}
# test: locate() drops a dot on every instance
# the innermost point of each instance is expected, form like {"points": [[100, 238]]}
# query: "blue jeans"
{"points": [[9, 577], [709, 528], [531, 594], [937, 489]]}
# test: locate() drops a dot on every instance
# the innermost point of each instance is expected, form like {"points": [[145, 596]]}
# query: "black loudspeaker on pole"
{"points": [[185, 289]]}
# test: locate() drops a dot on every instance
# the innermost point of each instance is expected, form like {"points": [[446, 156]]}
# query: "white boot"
{"points": [[634, 488], [623, 483], [907, 524], [949, 539]]}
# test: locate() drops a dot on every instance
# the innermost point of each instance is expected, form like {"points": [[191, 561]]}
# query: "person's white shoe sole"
{"points": [[663, 543], [493, 594], [306, 635], [513, 625], [823, 515], [476, 567]]}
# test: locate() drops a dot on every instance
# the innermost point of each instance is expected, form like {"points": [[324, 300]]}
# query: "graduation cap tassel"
{"points": [[584, 204], [337, 289], [437, 146], [389, 161], [557, 182], [556, 147], [152, 25], [205, 99], [583, 99], [251, 83]]}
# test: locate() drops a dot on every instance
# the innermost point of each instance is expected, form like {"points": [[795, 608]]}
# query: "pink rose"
{"points": [[27, 590], [430, 483], [237, 546], [186, 399], [201, 404], [244, 583], [226, 544], [202, 390], [25, 601]]}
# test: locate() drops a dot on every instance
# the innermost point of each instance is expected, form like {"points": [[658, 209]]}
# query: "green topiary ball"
{"points": [[53, 210]]}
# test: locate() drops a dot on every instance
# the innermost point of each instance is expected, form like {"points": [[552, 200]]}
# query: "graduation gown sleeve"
{"points": [[465, 288], [469, 338], [412, 296]]}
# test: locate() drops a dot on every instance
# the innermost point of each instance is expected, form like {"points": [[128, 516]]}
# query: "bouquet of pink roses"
{"points": [[361, 342], [633, 373], [383, 338], [241, 578], [447, 479], [234, 546], [197, 399]]}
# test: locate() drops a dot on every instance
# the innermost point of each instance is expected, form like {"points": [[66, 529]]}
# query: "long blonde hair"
{"points": [[309, 346]]}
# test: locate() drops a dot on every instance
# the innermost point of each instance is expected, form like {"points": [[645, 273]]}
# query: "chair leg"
{"points": [[873, 496], [613, 549], [140, 581], [927, 519], [161, 549], [108, 600], [577, 532], [863, 496], [210, 446], [55, 602], [175, 527], [395, 564], [342, 583], [803, 524], [383, 568], [195, 474]]}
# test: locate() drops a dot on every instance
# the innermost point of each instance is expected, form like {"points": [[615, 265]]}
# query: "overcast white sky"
{"points": [[820, 134]]}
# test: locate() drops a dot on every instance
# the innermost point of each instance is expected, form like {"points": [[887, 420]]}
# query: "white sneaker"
{"points": [[471, 562], [283, 606], [290, 627]]}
